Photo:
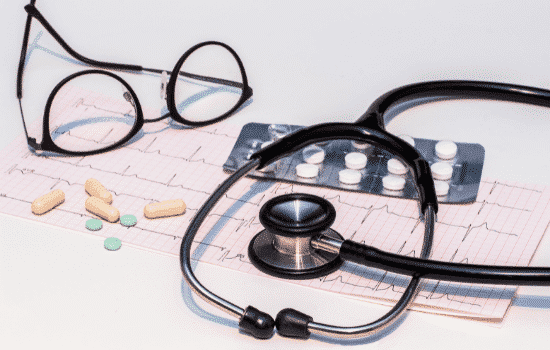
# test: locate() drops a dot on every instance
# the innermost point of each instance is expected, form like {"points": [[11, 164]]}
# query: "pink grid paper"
{"points": [[504, 225]]}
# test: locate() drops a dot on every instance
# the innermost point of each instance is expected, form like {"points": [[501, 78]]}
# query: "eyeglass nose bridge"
{"points": [[46, 144]]}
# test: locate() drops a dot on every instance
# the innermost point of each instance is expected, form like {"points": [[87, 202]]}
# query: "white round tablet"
{"points": [[393, 183], [307, 170], [396, 167], [360, 145], [356, 160], [445, 149], [442, 171], [441, 188], [407, 139], [349, 176], [313, 154]]}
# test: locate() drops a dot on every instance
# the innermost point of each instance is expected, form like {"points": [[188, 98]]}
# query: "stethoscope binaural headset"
{"points": [[297, 225]]}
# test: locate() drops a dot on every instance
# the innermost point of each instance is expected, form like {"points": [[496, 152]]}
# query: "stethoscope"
{"points": [[298, 243]]}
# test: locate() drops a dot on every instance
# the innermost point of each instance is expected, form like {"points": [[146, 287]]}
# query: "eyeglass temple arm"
{"points": [[22, 58], [33, 12], [199, 77]]}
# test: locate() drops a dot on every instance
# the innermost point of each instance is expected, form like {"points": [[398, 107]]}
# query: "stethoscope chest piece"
{"points": [[283, 249]]}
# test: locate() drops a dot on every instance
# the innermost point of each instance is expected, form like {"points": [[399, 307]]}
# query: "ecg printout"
{"points": [[504, 226]]}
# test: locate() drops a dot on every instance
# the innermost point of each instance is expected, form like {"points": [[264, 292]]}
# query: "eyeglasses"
{"points": [[95, 111]]}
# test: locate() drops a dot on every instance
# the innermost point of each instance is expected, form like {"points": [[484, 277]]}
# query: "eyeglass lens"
{"points": [[209, 84], [91, 112]]}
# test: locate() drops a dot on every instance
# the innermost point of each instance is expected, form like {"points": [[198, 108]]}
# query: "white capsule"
{"points": [[393, 183], [396, 167], [441, 188], [407, 139], [313, 154], [349, 176], [442, 171], [356, 160], [307, 170], [446, 149]]}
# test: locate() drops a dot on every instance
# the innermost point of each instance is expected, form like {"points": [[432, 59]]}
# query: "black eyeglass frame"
{"points": [[47, 143]]}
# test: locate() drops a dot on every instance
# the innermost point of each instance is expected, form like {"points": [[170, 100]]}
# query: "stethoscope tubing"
{"points": [[287, 145], [312, 327], [370, 127], [443, 270]]}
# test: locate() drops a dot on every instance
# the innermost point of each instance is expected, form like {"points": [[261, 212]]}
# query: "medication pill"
{"points": [[171, 207], [396, 167], [307, 170], [112, 243], [98, 207], [442, 171], [47, 202], [94, 224], [349, 176], [96, 189], [407, 139], [360, 145], [446, 149], [128, 220], [393, 183], [313, 154], [356, 160], [441, 188]]}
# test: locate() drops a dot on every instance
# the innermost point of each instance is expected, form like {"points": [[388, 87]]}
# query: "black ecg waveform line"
{"points": [[497, 183], [258, 202], [27, 171], [338, 279], [249, 223], [80, 102]]}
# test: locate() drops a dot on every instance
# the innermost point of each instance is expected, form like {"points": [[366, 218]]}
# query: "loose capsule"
{"points": [[98, 207], [47, 202], [96, 189], [162, 209]]}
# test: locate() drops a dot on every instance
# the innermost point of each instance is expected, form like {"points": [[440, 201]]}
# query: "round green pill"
{"points": [[112, 243], [94, 224], [128, 220]]}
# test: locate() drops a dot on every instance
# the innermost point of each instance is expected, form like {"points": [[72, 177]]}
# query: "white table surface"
{"points": [[308, 62]]}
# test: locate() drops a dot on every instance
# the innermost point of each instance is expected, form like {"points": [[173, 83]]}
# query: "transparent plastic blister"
{"points": [[463, 184]]}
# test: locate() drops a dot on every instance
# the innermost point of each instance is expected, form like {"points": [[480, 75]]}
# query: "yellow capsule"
{"points": [[47, 202], [163, 209], [96, 189], [98, 207]]}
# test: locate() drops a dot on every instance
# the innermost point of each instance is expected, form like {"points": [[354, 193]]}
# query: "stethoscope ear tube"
{"points": [[375, 116], [370, 128]]}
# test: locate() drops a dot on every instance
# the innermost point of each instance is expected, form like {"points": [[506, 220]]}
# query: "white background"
{"points": [[308, 62]]}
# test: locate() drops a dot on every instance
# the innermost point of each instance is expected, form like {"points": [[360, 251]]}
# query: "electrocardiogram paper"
{"points": [[504, 226]]}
